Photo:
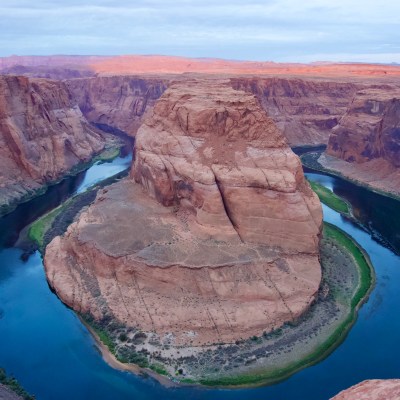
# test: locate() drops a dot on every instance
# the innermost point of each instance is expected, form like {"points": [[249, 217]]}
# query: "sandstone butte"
{"points": [[214, 237], [365, 145], [43, 134], [375, 389]]}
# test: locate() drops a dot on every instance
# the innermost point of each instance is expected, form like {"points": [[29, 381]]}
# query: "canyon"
{"points": [[216, 221], [175, 251], [43, 135], [365, 145]]}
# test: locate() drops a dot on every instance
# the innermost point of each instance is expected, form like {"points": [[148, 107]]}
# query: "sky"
{"points": [[269, 30]]}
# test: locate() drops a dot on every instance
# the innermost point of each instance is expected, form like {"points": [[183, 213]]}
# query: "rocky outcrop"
{"points": [[365, 146], [7, 394], [43, 135], [117, 101], [375, 389], [304, 110], [218, 238]]}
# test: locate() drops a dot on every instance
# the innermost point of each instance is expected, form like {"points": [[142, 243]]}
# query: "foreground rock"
{"points": [[218, 239], [43, 135], [375, 389], [365, 146]]}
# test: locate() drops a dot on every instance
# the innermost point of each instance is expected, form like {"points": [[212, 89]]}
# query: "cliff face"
{"points": [[117, 101], [375, 389], [370, 129], [219, 225], [365, 146], [304, 110], [42, 135]]}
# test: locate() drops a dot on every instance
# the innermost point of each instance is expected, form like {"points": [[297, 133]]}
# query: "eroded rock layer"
{"points": [[375, 389], [365, 146], [43, 134], [117, 101], [304, 110], [218, 238]]}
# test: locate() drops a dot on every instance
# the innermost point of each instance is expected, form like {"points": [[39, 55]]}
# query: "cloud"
{"points": [[259, 30]]}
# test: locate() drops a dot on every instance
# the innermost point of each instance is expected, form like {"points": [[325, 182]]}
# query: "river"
{"points": [[45, 346]]}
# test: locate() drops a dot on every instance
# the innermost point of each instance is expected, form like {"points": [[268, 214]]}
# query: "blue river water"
{"points": [[45, 346]]}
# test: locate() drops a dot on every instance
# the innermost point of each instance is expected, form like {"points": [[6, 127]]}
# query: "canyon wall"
{"points": [[213, 239], [365, 146], [304, 110], [43, 134], [117, 101]]}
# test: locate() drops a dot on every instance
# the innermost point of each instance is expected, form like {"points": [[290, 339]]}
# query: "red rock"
{"points": [[365, 146], [304, 110], [374, 389], [222, 226], [43, 134], [118, 101]]}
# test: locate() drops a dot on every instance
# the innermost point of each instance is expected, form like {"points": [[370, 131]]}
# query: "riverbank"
{"points": [[331, 199], [42, 231], [311, 161], [347, 280], [111, 150], [10, 388]]}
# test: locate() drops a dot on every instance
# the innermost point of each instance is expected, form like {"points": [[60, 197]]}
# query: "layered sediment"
{"points": [[365, 146], [217, 240], [303, 109], [43, 135], [117, 101]]}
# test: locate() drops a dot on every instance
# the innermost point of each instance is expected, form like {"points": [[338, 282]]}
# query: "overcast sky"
{"points": [[277, 30]]}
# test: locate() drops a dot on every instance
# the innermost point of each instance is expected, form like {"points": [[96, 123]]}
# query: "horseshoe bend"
{"points": [[212, 239]]}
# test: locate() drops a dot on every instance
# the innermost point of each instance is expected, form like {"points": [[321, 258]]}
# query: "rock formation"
{"points": [[43, 134], [117, 101], [217, 240], [375, 389], [303, 109], [365, 146]]}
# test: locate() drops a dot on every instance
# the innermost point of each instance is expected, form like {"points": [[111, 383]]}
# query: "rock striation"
{"points": [[43, 135], [214, 238], [365, 146], [304, 110], [117, 101], [375, 389]]}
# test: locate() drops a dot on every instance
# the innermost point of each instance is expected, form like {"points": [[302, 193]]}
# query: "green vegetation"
{"points": [[39, 227], [366, 280], [159, 369], [310, 160], [108, 154], [362, 260], [330, 199], [14, 385], [108, 331]]}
